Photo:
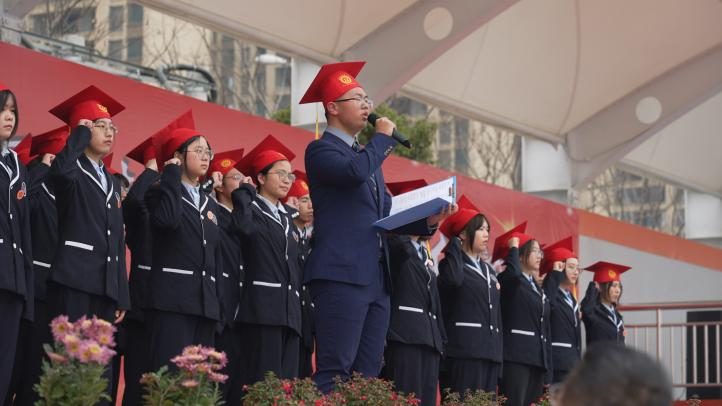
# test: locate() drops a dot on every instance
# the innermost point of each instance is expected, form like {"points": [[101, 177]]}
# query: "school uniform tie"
{"points": [[9, 163], [101, 176], [533, 285]]}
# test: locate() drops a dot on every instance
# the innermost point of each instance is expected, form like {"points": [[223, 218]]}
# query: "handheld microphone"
{"points": [[396, 135]]}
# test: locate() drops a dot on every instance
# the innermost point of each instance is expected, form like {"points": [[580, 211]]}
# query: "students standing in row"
{"points": [[225, 167], [298, 200], [561, 267], [16, 277], [416, 337], [525, 316], [183, 305], [470, 293], [270, 309], [602, 320]]}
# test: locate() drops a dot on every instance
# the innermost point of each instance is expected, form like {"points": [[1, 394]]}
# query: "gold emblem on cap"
{"points": [[345, 79], [612, 274], [304, 184], [225, 163], [102, 108]]}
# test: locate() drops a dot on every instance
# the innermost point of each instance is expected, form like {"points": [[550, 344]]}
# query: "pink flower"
{"points": [[57, 358], [189, 383], [216, 377], [60, 326], [105, 339], [72, 345]]}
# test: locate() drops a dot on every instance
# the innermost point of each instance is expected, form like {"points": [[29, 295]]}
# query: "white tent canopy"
{"points": [[609, 80]]}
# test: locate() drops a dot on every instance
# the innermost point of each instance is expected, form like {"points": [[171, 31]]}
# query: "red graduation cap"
{"points": [[268, 151], [23, 149], [299, 188], [332, 81], [143, 152], [501, 244], [225, 161], [453, 225], [51, 142], [559, 251], [163, 136], [397, 188], [607, 271], [90, 103], [107, 162]]}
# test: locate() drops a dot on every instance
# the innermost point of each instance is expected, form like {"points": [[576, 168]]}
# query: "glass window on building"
{"points": [[80, 20], [444, 132], [40, 24], [445, 159], [462, 160], [461, 130], [116, 18], [135, 49], [284, 102], [260, 108], [115, 49], [135, 15], [261, 80], [283, 76]]}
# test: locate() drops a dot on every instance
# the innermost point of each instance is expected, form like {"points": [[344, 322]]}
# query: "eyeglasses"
{"points": [[202, 152], [283, 175], [234, 177], [107, 127], [538, 252], [358, 99]]}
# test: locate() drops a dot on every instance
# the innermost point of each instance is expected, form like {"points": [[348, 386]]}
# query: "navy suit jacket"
{"points": [[345, 242]]}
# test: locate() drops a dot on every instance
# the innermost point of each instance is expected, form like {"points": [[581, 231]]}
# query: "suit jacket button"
{"points": [[108, 259], [108, 205], [289, 287], [108, 232], [204, 273]]}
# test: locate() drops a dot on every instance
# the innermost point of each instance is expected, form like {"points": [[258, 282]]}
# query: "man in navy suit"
{"points": [[348, 268]]}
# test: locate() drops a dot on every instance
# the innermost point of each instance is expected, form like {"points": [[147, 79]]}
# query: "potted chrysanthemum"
{"points": [[77, 359]]}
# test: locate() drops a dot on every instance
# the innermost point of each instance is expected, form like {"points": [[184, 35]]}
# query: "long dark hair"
{"points": [[605, 287], [4, 96], [525, 251], [469, 230]]}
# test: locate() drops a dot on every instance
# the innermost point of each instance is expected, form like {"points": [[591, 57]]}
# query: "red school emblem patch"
{"points": [[212, 217], [22, 192]]}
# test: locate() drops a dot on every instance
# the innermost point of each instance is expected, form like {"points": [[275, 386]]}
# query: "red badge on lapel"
{"points": [[212, 217], [22, 192]]}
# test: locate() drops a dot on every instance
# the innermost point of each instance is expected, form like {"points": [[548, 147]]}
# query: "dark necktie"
{"points": [[9, 162]]}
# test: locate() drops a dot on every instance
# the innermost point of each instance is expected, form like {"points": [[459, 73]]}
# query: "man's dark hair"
{"points": [[612, 374]]}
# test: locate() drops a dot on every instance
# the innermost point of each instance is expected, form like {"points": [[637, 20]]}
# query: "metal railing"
{"points": [[676, 345]]}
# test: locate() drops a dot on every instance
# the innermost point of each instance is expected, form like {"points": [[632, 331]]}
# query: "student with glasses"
{"points": [[525, 317], [270, 308], [89, 274], [227, 178], [561, 267], [182, 307], [298, 202], [470, 294]]}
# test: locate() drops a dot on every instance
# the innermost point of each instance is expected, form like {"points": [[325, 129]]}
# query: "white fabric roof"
{"points": [[600, 77]]}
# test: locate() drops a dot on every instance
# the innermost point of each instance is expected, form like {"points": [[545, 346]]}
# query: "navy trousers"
{"points": [[351, 324]]}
